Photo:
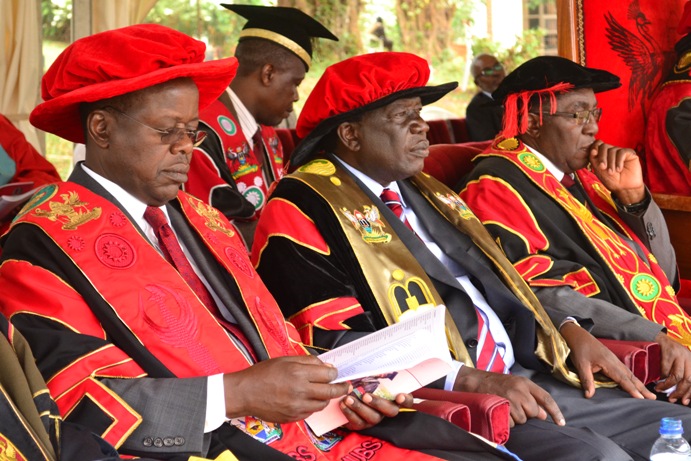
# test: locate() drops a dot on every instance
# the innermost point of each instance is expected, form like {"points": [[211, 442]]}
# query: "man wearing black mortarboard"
{"points": [[234, 167], [574, 217]]}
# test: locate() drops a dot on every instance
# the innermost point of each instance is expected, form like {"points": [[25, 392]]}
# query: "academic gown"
{"points": [[126, 346]]}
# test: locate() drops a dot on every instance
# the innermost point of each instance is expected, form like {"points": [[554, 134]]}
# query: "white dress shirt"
{"points": [[551, 167], [494, 325], [248, 124]]}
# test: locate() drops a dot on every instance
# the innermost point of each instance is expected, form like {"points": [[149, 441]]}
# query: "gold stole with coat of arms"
{"points": [[391, 269]]}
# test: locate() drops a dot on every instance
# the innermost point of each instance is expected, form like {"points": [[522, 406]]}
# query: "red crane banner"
{"points": [[633, 39]]}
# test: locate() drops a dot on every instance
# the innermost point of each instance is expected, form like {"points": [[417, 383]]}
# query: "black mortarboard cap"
{"points": [[545, 75], [288, 27], [546, 71]]}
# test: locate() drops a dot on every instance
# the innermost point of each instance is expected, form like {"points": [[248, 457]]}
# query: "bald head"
{"points": [[487, 72]]}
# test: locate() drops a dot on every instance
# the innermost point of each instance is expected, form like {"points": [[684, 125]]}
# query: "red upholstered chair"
{"points": [[448, 163], [438, 132], [459, 130]]}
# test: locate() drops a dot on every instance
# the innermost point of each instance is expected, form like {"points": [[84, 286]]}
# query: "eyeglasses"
{"points": [[582, 116], [171, 135], [490, 71]]}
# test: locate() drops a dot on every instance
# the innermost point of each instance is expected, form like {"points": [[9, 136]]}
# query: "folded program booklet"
{"points": [[400, 358]]}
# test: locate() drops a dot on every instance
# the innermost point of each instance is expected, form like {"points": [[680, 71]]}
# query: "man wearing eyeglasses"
{"points": [[483, 114], [573, 214], [145, 316]]}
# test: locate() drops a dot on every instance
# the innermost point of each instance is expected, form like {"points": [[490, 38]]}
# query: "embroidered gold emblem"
{"points": [[211, 216], [531, 161], [335, 181], [670, 291], [369, 225], [652, 258], [319, 167], [456, 203], [67, 213], [508, 144], [8, 452], [409, 295], [644, 287]]}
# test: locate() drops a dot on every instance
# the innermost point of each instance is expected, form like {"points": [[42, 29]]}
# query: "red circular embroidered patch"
{"points": [[75, 243], [239, 258], [114, 251], [117, 219]]}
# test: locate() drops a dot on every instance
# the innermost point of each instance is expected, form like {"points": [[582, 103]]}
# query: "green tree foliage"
{"points": [[527, 46], [201, 19], [56, 18], [429, 27]]}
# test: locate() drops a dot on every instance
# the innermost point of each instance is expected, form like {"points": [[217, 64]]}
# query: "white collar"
{"points": [[551, 167], [129, 202], [248, 124], [370, 183]]}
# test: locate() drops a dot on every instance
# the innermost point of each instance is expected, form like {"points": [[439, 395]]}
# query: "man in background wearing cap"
{"points": [[144, 314], [234, 167], [345, 255], [667, 139], [590, 241]]}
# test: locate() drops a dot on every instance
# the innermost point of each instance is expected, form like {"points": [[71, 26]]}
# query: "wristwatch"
{"points": [[636, 207]]}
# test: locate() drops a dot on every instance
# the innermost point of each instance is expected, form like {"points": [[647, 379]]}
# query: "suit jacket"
{"points": [[483, 117]]}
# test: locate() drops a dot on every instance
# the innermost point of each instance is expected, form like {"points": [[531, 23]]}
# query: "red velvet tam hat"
{"points": [[122, 61], [357, 85], [545, 75]]}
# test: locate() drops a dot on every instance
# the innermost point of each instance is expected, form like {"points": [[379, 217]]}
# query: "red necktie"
{"points": [[170, 247], [488, 358], [575, 190], [392, 200], [567, 181]]}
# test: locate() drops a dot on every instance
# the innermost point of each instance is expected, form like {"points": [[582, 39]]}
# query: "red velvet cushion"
{"points": [[489, 414], [641, 357], [455, 413]]}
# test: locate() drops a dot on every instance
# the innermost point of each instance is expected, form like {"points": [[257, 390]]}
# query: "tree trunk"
{"points": [[425, 25], [341, 18]]}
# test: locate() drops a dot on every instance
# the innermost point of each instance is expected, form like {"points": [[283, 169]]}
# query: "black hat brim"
{"points": [[546, 71], [427, 95]]}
